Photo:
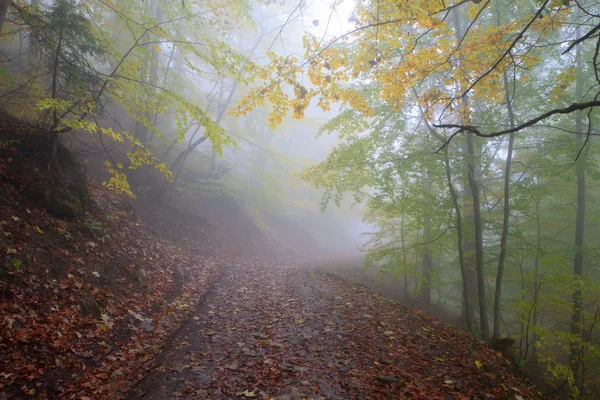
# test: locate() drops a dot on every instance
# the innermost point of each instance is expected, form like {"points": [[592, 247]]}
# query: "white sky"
{"points": [[330, 23]]}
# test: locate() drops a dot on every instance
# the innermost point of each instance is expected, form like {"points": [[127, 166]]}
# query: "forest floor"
{"points": [[273, 332]]}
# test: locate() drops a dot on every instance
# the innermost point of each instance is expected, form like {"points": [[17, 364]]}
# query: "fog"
{"points": [[446, 147]]}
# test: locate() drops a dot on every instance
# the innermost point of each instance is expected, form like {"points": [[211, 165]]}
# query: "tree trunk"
{"points": [[55, 119], [425, 292], [3, 11], [142, 132], [580, 164], [403, 242], [177, 164], [506, 216], [505, 221], [472, 251], [469, 314], [474, 188], [536, 277], [164, 79], [33, 47], [153, 78]]}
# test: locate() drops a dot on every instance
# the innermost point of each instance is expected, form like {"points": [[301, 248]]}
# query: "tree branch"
{"points": [[567, 110]]}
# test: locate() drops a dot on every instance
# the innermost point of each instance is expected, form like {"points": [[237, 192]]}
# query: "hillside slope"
{"points": [[89, 294]]}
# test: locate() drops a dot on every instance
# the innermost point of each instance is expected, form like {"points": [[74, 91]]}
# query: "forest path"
{"points": [[270, 332]]}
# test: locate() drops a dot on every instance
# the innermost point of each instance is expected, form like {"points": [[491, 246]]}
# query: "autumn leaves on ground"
{"points": [[102, 306]]}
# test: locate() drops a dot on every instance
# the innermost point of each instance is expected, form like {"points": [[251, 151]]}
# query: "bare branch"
{"points": [[567, 110], [581, 39]]}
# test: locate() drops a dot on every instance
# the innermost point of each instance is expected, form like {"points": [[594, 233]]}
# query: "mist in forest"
{"points": [[449, 147]]}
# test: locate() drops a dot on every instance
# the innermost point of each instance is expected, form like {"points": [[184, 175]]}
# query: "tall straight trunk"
{"points": [[580, 164], [506, 217], [213, 152], [3, 11], [477, 224], [403, 243], [164, 78], [536, 283], [523, 326], [151, 116], [468, 246], [425, 292], [33, 47], [468, 311], [55, 118], [55, 69], [472, 244], [142, 132], [469, 314]]}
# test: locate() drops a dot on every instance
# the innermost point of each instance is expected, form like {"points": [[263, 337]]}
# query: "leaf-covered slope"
{"points": [[86, 303]]}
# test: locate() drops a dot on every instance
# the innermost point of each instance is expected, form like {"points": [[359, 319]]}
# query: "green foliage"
{"points": [[17, 264], [95, 226], [390, 156], [84, 56]]}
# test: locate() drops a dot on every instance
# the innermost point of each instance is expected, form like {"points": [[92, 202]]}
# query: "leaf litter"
{"points": [[245, 341]]}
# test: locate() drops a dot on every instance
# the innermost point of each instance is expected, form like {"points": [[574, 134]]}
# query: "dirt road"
{"points": [[269, 332]]}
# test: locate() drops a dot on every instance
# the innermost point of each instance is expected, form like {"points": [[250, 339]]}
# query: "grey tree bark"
{"points": [[506, 216], [580, 166], [468, 311], [425, 292], [473, 245], [3, 12], [477, 224]]}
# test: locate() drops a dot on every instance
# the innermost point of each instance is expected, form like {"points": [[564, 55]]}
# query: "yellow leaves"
{"points": [[53, 104], [416, 48], [118, 181], [117, 137], [301, 101], [356, 101], [164, 170]]}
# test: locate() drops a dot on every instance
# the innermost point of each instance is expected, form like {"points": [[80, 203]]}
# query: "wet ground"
{"points": [[271, 332]]}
